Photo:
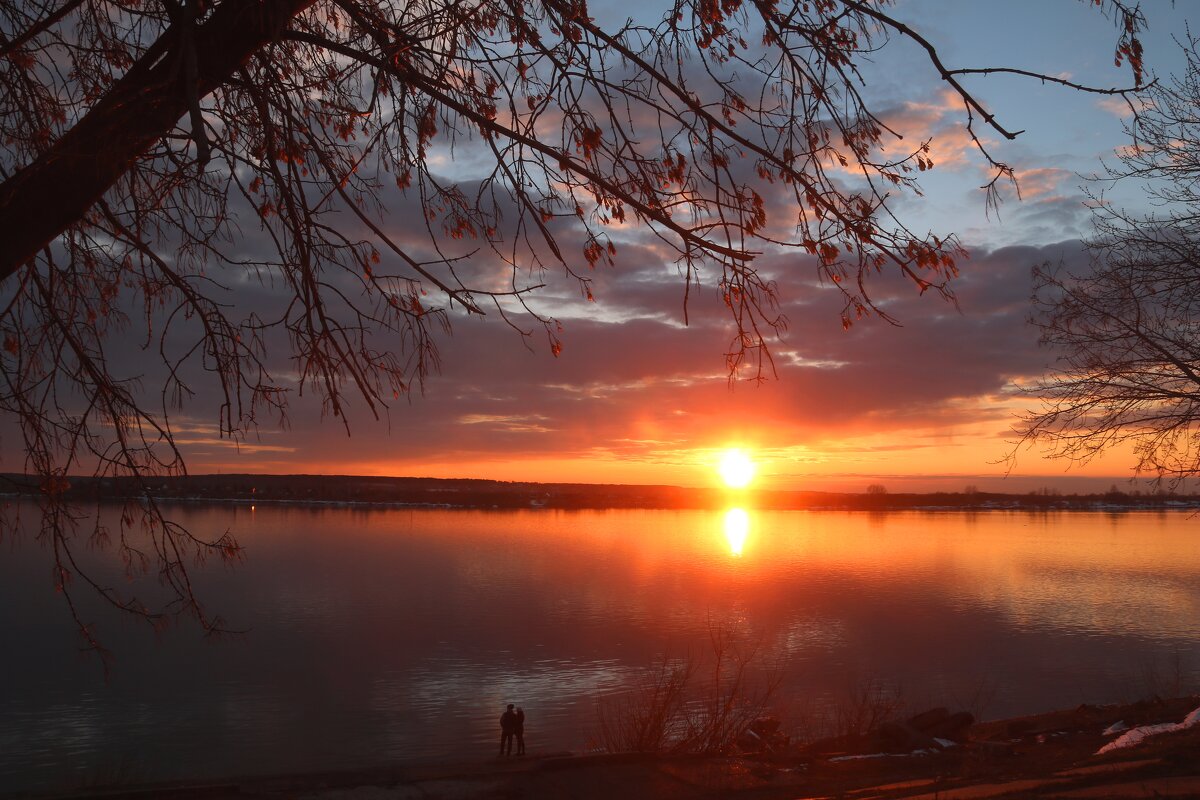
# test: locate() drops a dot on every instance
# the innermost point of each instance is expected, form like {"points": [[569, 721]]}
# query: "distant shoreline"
{"points": [[476, 494]]}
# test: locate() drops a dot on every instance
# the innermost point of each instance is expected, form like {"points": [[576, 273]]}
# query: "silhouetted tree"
{"points": [[142, 137], [1127, 331]]}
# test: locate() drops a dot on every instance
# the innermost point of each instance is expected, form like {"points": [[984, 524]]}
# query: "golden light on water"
{"points": [[736, 469], [737, 528]]}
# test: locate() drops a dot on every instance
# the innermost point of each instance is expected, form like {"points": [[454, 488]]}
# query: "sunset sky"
{"points": [[637, 397]]}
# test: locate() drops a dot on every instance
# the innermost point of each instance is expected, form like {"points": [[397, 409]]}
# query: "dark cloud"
{"points": [[635, 386], [1052, 217]]}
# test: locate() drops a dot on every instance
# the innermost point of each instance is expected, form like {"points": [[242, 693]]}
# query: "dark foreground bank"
{"points": [[1053, 755]]}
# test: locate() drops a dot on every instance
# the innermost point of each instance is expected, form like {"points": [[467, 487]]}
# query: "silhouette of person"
{"points": [[519, 730], [508, 727]]}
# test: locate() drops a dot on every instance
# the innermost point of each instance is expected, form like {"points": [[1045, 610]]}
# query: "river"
{"points": [[376, 636]]}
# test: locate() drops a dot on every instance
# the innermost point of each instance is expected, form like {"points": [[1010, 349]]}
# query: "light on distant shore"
{"points": [[736, 469]]}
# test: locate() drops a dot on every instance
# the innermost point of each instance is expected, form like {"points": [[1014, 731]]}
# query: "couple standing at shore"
{"points": [[512, 723]]}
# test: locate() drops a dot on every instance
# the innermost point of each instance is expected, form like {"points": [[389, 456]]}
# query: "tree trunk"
{"points": [[46, 197]]}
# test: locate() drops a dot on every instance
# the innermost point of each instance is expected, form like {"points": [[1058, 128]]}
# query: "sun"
{"points": [[736, 468]]}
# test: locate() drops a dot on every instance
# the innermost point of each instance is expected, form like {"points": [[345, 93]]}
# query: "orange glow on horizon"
{"points": [[907, 460]]}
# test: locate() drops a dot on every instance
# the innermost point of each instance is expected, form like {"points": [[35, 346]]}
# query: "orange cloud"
{"points": [[1041, 182], [1123, 107]]}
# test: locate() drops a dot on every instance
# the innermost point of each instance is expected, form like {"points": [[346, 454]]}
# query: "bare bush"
{"points": [[700, 704], [869, 704], [639, 720], [729, 701], [860, 708]]}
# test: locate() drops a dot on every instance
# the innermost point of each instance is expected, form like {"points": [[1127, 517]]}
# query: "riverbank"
{"points": [[1052, 755], [367, 492]]}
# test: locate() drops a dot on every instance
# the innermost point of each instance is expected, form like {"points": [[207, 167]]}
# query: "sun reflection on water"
{"points": [[737, 528]]}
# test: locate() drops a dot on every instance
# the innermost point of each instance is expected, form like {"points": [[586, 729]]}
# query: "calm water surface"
{"points": [[377, 636]]}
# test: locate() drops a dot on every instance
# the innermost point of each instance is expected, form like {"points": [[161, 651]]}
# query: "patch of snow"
{"points": [[1140, 734], [861, 757], [1120, 726], [945, 743], [922, 752]]}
